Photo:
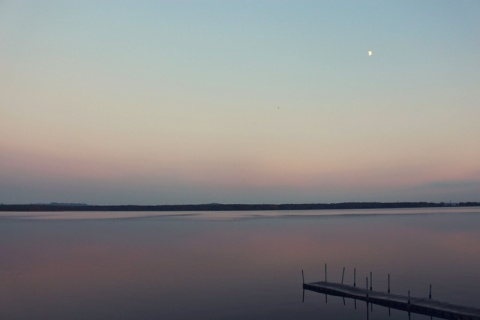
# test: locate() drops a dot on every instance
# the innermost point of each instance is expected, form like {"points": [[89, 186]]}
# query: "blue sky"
{"points": [[239, 101]]}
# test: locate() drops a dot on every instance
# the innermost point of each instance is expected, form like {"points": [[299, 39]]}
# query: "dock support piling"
{"points": [[325, 272], [303, 278], [343, 274], [408, 296], [389, 283], [354, 277], [371, 281], [367, 286], [430, 293]]}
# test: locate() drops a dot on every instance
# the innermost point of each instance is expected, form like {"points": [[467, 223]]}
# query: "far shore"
{"points": [[231, 207]]}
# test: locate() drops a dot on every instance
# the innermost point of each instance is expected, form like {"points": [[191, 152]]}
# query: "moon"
{"points": [[370, 52]]}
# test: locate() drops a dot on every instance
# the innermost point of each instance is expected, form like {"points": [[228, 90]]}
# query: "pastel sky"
{"points": [[171, 102]]}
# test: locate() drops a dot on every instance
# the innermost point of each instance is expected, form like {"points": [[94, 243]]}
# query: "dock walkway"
{"points": [[424, 306]]}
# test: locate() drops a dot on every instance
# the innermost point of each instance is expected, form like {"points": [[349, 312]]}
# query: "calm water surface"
{"points": [[230, 265]]}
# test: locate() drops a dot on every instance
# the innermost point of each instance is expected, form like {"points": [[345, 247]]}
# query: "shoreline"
{"points": [[231, 207]]}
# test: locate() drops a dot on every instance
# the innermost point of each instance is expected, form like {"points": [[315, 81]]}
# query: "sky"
{"points": [[179, 102]]}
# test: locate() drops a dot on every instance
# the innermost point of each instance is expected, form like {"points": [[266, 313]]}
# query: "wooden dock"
{"points": [[423, 306]]}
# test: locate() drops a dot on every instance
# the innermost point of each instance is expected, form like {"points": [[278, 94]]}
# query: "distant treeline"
{"points": [[232, 207]]}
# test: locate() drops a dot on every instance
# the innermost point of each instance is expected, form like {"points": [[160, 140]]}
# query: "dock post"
{"points": [[371, 281], [430, 293], [408, 296], [367, 286], [325, 272], [303, 278], [354, 277], [343, 274], [389, 283]]}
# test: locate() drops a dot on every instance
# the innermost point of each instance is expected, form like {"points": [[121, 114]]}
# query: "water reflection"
{"points": [[217, 269]]}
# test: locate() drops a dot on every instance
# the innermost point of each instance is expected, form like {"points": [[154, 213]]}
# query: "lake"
{"points": [[230, 265]]}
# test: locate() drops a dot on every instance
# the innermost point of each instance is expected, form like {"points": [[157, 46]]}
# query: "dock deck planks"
{"points": [[423, 306]]}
